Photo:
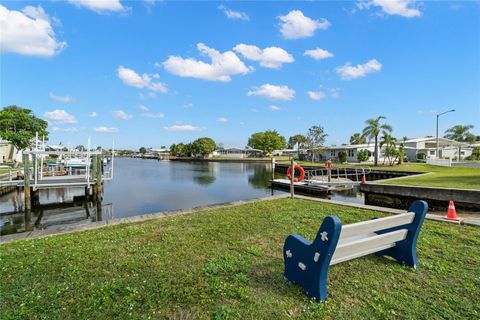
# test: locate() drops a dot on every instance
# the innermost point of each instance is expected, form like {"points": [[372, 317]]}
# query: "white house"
{"points": [[285, 152], [237, 153], [414, 148], [447, 149], [351, 151], [7, 152]]}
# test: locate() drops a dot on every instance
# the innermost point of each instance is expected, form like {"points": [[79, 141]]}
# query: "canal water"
{"points": [[147, 186]]}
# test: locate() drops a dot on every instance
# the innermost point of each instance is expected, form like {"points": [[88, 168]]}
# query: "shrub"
{"points": [[362, 155], [475, 154], [342, 156], [421, 156]]}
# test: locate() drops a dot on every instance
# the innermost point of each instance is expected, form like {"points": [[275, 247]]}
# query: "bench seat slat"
{"points": [[374, 225], [358, 247]]}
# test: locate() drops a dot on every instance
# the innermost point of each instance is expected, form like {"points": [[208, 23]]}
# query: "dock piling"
{"points": [[292, 177]]}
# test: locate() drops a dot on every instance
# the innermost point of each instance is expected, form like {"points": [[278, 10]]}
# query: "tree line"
{"points": [[19, 126], [201, 147]]}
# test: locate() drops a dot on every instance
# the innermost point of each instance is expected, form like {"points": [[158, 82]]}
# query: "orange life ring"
{"points": [[302, 173]]}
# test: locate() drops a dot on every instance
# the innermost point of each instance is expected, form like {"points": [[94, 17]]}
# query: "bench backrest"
{"points": [[365, 227], [360, 239]]}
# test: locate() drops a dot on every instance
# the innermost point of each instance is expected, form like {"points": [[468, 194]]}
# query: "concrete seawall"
{"points": [[398, 195]]}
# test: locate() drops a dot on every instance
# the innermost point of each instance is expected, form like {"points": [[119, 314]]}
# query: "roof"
{"points": [[285, 150], [239, 150], [441, 141], [349, 146]]}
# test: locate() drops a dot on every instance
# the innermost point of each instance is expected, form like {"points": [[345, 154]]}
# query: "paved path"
{"points": [[467, 164]]}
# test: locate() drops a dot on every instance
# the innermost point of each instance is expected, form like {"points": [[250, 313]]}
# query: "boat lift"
{"points": [[73, 168]]}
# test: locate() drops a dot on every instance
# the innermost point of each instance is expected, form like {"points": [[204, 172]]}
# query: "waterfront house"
{"points": [[427, 147], [7, 152], [161, 153], [287, 152], [237, 153], [415, 149], [331, 152]]}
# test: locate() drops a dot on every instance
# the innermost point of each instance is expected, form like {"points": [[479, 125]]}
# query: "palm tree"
{"points": [[298, 140], [372, 130], [390, 144], [461, 134], [357, 138]]}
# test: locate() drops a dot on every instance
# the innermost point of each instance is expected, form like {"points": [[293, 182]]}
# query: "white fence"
{"points": [[440, 162]]}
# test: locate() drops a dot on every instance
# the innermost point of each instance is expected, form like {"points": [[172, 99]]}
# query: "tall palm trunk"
{"points": [[376, 150]]}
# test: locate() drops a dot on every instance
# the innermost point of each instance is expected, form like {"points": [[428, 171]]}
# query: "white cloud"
{"points": [[273, 92], [335, 92], [57, 129], [184, 127], [142, 107], [235, 15], [105, 129], [99, 5], [222, 66], [404, 8], [271, 57], [273, 108], [222, 120], [93, 114], [133, 79], [349, 72], [254, 110], [318, 54], [153, 115], [316, 95], [61, 99], [120, 114], [188, 105], [28, 32], [295, 25], [59, 116]]}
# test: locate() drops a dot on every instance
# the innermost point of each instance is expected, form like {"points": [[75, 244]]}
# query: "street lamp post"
{"points": [[438, 116]]}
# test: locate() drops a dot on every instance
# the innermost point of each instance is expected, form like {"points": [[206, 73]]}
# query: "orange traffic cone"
{"points": [[364, 180], [451, 213]]}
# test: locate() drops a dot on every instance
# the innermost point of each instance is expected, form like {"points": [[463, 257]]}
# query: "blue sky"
{"points": [[149, 73]]}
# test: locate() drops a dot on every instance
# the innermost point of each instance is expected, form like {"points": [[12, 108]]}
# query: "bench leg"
{"points": [[405, 251], [306, 264]]}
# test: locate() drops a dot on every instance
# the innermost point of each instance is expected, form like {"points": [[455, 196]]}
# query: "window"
{"points": [[332, 153], [351, 152], [432, 152]]}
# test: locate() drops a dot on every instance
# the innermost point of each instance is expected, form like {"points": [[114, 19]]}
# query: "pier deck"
{"points": [[314, 187]]}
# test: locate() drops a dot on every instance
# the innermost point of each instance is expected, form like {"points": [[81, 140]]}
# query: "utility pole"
{"points": [[438, 116]]}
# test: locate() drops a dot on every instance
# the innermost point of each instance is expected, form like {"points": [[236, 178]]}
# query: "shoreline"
{"points": [[35, 234]]}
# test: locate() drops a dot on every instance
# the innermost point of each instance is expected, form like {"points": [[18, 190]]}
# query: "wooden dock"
{"points": [[313, 187]]}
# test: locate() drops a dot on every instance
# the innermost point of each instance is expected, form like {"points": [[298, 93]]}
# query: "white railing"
{"points": [[337, 175], [440, 162]]}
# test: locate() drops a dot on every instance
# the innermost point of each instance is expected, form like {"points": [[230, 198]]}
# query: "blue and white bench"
{"points": [[306, 263]]}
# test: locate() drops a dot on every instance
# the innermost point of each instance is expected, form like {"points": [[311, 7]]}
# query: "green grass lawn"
{"points": [[447, 177], [226, 264]]}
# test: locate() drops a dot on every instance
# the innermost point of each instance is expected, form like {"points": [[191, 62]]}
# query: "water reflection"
{"points": [[145, 186], [140, 186]]}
